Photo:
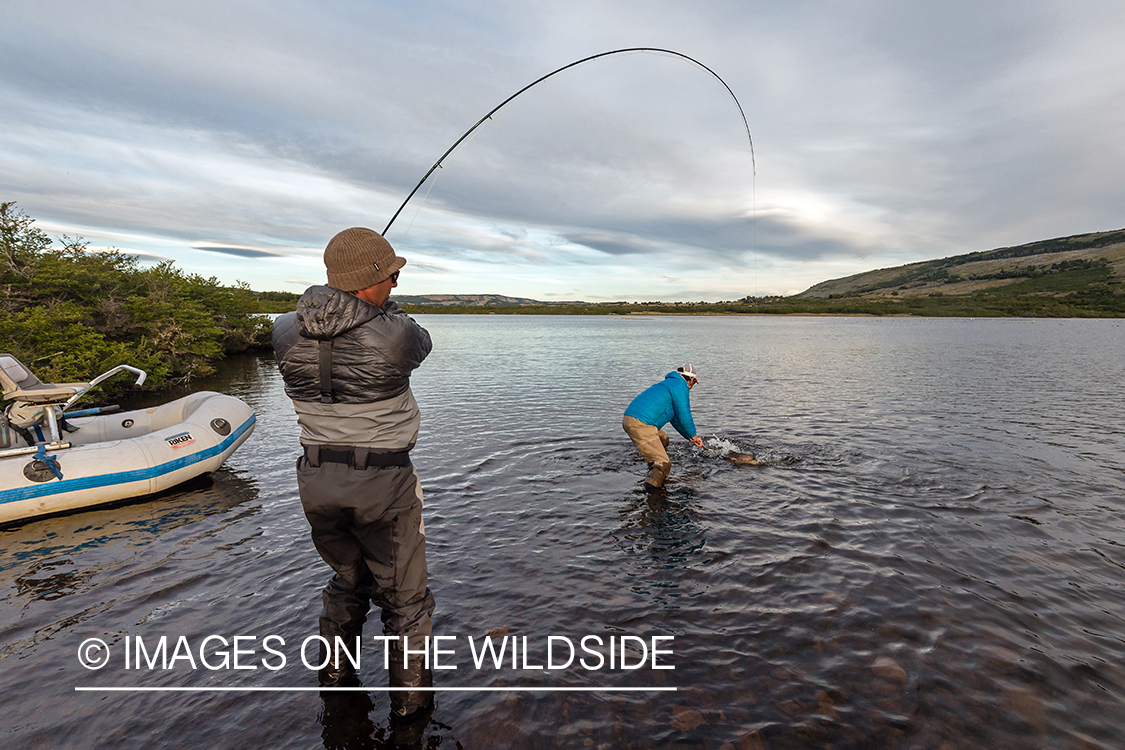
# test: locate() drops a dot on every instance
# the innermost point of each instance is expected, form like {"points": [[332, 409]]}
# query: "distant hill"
{"points": [[466, 300], [281, 302], [1081, 263]]}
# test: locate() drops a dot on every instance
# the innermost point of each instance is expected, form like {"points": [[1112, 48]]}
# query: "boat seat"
{"points": [[20, 384]]}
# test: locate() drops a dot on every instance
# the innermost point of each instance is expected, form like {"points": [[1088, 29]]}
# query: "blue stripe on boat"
{"points": [[123, 477]]}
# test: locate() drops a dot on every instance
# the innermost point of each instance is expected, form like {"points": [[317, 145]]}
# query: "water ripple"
{"points": [[930, 556]]}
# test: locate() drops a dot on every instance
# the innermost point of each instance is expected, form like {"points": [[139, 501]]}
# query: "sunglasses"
{"points": [[394, 277]]}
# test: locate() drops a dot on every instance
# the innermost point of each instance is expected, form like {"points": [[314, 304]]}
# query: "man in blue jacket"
{"points": [[667, 401]]}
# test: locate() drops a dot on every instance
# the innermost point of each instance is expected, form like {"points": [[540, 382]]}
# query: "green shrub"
{"points": [[71, 314]]}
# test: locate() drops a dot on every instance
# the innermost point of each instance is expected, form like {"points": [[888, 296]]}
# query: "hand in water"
{"points": [[697, 441]]}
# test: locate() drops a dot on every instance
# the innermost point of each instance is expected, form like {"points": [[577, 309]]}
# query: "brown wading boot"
{"points": [[656, 476], [405, 703], [337, 674]]}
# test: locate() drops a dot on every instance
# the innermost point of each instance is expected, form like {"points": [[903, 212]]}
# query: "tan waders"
{"points": [[652, 444]]}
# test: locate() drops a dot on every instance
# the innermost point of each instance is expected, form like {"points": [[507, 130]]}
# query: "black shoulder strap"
{"points": [[326, 372]]}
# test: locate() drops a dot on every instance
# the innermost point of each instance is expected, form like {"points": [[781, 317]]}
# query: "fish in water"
{"points": [[742, 459]]}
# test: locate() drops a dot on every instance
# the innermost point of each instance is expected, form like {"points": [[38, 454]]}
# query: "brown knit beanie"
{"points": [[357, 258]]}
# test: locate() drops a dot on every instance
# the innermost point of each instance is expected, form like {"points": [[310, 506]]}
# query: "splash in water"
{"points": [[728, 450]]}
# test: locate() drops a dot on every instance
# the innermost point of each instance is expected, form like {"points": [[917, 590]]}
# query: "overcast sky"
{"points": [[237, 137]]}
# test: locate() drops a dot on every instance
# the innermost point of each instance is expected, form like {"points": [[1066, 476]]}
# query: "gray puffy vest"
{"points": [[371, 351]]}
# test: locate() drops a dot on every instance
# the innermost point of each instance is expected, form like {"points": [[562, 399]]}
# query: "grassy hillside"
{"points": [[1060, 267]]}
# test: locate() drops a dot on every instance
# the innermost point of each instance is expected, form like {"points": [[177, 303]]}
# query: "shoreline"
{"points": [[1092, 315]]}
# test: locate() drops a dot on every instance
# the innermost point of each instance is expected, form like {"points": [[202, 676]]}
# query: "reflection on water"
{"points": [[931, 556], [659, 531], [348, 722]]}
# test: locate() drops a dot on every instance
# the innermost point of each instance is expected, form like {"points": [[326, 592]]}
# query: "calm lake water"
{"points": [[932, 556]]}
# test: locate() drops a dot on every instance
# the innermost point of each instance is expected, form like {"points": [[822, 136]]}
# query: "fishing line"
{"points": [[418, 210], [754, 227], [424, 198], [623, 51]]}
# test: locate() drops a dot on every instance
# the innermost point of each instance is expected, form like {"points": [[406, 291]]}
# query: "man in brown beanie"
{"points": [[346, 356]]}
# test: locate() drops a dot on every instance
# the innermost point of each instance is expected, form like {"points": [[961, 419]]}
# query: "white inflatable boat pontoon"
{"points": [[53, 460]]}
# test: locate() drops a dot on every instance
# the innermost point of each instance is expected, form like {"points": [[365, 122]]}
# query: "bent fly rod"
{"points": [[537, 81]]}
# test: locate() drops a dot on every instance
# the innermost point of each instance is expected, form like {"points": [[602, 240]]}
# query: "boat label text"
{"points": [[179, 441]]}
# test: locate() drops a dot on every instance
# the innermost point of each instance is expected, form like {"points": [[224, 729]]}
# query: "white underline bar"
{"points": [[81, 689]]}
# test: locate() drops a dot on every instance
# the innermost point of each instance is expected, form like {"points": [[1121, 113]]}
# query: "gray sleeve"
{"points": [[410, 341]]}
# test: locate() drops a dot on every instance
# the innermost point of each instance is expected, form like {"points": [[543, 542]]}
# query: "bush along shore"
{"points": [[70, 314]]}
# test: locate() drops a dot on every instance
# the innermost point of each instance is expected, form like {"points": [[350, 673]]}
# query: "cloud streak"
{"points": [[238, 252]]}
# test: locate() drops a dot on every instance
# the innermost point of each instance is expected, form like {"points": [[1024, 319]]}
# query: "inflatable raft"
{"points": [[55, 461]]}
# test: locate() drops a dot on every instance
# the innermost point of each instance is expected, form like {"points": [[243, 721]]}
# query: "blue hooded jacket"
{"points": [[665, 402]]}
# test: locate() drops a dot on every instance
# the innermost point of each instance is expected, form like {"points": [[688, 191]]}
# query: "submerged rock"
{"points": [[888, 669], [1001, 656], [684, 718]]}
